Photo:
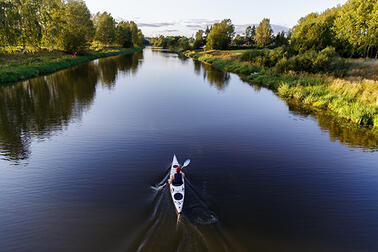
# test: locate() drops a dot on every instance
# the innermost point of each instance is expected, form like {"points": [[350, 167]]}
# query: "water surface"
{"points": [[81, 148]]}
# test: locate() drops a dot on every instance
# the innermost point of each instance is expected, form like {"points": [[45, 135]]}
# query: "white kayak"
{"points": [[177, 191]]}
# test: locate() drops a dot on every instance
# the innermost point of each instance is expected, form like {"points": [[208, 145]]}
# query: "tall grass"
{"points": [[322, 96], [356, 101]]}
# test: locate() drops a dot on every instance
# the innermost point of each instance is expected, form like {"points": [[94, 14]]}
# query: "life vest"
{"points": [[177, 179]]}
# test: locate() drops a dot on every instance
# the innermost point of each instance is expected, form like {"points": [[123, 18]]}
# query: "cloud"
{"points": [[170, 30], [199, 23], [240, 29], [194, 26], [156, 24]]}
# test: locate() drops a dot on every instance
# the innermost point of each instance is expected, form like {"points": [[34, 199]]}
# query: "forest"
{"points": [[32, 25]]}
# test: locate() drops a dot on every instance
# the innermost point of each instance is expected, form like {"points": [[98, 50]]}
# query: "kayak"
{"points": [[177, 191]]}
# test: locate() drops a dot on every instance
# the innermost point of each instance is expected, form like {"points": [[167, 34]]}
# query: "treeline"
{"points": [[65, 25], [222, 36], [180, 42], [351, 29]]}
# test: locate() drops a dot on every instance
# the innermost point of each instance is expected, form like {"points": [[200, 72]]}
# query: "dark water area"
{"points": [[82, 150]]}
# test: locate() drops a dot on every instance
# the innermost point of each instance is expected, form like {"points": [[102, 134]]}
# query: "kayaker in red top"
{"points": [[177, 178]]}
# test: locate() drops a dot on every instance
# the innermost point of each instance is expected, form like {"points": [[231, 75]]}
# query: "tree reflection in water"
{"points": [[39, 107], [218, 78], [338, 129]]}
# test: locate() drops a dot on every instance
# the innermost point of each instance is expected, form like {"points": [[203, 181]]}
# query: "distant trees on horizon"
{"points": [[352, 29]]}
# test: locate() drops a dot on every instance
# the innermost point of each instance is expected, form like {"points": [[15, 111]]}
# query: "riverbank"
{"points": [[18, 66], [353, 97]]}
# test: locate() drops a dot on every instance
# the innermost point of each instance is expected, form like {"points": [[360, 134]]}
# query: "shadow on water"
{"points": [[197, 228], [39, 107]]}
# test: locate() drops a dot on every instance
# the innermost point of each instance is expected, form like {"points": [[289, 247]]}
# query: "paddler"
{"points": [[177, 178]]}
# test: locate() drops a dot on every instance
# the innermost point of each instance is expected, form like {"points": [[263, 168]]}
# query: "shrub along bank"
{"points": [[313, 78]]}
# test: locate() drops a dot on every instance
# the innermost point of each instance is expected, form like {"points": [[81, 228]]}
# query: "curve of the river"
{"points": [[84, 150]]}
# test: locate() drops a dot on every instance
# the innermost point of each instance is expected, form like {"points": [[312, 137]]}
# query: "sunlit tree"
{"points": [[264, 33], [105, 28], [200, 41], [220, 35], [250, 33], [357, 23], [78, 30]]}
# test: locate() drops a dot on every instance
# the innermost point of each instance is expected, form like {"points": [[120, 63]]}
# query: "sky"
{"points": [[174, 17]]}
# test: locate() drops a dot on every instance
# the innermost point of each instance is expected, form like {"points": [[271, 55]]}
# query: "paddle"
{"points": [[186, 163]]}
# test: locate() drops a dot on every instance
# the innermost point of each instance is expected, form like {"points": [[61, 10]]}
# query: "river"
{"points": [[81, 151]]}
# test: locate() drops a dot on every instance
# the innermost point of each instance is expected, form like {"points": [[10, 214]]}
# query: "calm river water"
{"points": [[81, 148]]}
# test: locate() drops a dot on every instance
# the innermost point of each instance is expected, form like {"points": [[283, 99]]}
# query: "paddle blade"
{"points": [[186, 163]]}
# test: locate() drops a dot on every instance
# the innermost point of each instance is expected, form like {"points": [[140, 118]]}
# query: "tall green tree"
{"points": [[220, 35], [280, 39], [207, 31], [250, 33], [52, 21], [78, 29], [105, 28], [183, 43], [9, 22], [140, 38], [238, 40], [314, 31], [134, 33], [264, 33], [200, 41], [123, 35], [357, 23], [27, 25]]}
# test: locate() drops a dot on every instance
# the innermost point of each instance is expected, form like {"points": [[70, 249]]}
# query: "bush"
{"points": [[325, 61], [251, 55], [263, 57]]}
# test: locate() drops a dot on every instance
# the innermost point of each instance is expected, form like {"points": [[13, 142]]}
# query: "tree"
{"points": [[134, 33], [314, 31], [280, 39], [220, 35], [357, 23], [250, 33], [123, 35], [238, 40], [264, 33], [9, 21], [183, 43], [79, 29], [27, 23], [52, 20], [207, 31], [105, 28], [200, 41], [140, 38]]}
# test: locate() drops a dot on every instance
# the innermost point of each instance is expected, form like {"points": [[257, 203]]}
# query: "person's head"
{"points": [[178, 169]]}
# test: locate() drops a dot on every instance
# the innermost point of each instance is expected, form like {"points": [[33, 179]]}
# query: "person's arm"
{"points": [[182, 174], [170, 179]]}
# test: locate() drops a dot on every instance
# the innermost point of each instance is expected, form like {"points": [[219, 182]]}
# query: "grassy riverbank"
{"points": [[353, 97], [18, 66]]}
